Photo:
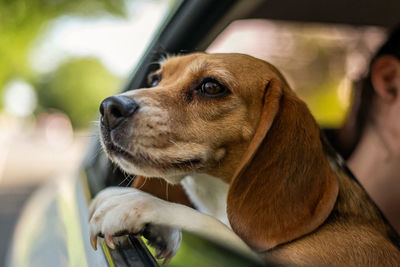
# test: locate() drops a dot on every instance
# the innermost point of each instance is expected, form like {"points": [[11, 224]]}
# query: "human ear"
{"points": [[385, 77]]}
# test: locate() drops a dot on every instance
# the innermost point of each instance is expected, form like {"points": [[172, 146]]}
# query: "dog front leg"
{"points": [[116, 211]]}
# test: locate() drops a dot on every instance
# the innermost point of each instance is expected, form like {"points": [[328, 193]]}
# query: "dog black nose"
{"points": [[115, 109]]}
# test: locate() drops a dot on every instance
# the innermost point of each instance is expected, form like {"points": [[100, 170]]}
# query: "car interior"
{"points": [[347, 31]]}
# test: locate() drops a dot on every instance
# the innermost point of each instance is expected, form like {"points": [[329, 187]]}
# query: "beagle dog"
{"points": [[251, 159]]}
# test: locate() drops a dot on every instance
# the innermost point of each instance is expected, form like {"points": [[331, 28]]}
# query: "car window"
{"points": [[319, 61]]}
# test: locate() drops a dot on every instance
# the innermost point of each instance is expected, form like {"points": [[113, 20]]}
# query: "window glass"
{"points": [[320, 62]]}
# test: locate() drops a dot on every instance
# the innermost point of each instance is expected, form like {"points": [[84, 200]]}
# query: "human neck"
{"points": [[376, 164], [370, 155]]}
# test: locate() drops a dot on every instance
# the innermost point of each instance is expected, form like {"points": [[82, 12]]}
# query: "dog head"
{"points": [[198, 116], [234, 117]]}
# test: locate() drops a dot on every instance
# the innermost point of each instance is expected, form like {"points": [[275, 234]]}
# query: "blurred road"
{"points": [[30, 156], [12, 200]]}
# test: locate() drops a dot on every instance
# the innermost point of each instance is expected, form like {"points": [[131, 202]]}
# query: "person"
{"points": [[370, 137]]}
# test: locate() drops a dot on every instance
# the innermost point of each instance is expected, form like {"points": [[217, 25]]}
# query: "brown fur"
{"points": [[291, 183], [353, 235], [160, 188], [288, 199]]}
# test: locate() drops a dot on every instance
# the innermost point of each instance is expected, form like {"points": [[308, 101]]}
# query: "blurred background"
{"points": [[60, 58]]}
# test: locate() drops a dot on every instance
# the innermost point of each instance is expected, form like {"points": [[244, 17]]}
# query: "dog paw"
{"points": [[117, 212], [121, 211], [165, 240]]}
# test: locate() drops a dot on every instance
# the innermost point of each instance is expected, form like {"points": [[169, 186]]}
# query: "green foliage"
{"points": [[200, 252], [77, 87], [21, 21]]}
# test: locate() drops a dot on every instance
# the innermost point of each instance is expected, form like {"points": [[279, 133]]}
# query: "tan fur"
{"points": [[285, 200]]}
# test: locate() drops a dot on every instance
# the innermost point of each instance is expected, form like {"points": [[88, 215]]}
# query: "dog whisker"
{"points": [[145, 180], [127, 177]]}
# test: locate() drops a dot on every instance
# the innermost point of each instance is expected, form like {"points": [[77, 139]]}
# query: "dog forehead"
{"points": [[233, 62], [236, 70]]}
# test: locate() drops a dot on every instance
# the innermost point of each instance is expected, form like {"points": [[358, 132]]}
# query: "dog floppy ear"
{"points": [[284, 187]]}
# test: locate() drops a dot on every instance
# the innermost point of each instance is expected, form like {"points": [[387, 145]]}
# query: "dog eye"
{"points": [[154, 79], [212, 89]]}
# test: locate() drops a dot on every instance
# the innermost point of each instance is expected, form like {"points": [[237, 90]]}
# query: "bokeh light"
{"points": [[19, 98]]}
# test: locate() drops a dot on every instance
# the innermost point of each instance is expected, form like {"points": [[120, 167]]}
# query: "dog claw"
{"points": [[109, 241], [161, 254], [167, 259], [165, 254], [93, 241]]}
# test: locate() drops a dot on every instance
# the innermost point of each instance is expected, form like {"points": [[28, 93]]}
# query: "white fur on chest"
{"points": [[208, 194]]}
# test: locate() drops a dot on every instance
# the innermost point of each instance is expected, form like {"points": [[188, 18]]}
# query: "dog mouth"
{"points": [[144, 160], [189, 164]]}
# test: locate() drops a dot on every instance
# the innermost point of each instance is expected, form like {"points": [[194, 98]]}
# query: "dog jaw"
{"points": [[172, 163]]}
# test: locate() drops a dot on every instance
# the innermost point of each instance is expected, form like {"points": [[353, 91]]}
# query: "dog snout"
{"points": [[116, 109]]}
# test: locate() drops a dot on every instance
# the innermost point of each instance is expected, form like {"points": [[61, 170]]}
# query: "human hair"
{"points": [[361, 110]]}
